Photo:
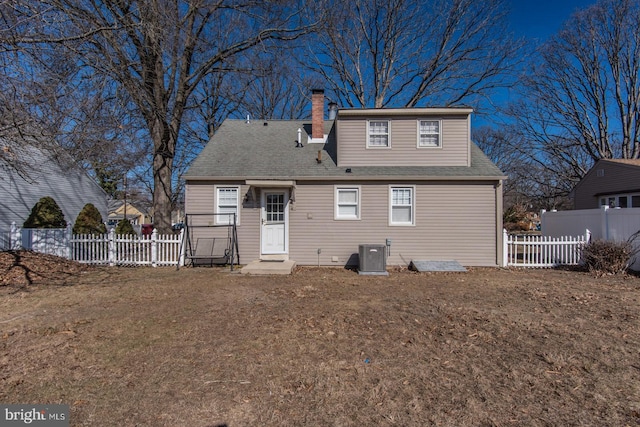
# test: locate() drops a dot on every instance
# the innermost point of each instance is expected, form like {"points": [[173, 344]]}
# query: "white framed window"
{"points": [[227, 202], [402, 205], [378, 134], [347, 203], [429, 135], [621, 201]]}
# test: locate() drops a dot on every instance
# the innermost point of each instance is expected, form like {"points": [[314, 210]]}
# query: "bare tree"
{"points": [[158, 53], [277, 87], [530, 184], [379, 53], [48, 102], [581, 99]]}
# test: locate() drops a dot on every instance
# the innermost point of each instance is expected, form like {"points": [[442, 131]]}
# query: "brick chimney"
{"points": [[317, 113]]}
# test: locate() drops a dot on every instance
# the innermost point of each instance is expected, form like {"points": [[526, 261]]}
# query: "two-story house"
{"points": [[312, 192]]}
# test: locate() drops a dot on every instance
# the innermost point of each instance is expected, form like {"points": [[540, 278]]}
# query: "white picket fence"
{"points": [[110, 249], [522, 250], [105, 249], [167, 250]]}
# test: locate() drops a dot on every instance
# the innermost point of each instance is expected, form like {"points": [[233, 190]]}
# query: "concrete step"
{"points": [[260, 267]]}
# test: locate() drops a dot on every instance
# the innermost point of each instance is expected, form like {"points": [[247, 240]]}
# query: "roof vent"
{"points": [[299, 140], [333, 110]]}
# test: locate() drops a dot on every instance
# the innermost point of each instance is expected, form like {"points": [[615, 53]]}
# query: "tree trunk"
{"points": [[164, 151]]}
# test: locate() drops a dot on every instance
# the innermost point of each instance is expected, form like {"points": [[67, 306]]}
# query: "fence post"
{"points": [[154, 248], [587, 236], [604, 222], [14, 237], [112, 246], [68, 236], [505, 248], [182, 249]]}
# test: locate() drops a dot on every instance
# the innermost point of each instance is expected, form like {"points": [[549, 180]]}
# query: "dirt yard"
{"points": [[322, 347]]}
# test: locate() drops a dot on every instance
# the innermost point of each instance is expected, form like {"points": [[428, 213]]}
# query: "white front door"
{"points": [[275, 221]]}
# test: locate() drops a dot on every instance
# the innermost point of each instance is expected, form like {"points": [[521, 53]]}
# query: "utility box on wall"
{"points": [[373, 260]]}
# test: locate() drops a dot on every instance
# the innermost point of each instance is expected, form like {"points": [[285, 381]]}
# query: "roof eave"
{"points": [[463, 111], [352, 177]]}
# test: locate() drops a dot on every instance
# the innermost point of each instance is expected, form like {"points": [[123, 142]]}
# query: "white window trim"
{"points": [[217, 218], [429, 147], [379, 147], [336, 214], [605, 200], [413, 206]]}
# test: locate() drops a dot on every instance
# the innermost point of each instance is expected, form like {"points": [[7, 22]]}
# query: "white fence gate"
{"points": [[542, 251], [105, 249]]}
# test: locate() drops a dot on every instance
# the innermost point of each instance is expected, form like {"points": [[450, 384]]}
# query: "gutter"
{"points": [[379, 112], [350, 177]]}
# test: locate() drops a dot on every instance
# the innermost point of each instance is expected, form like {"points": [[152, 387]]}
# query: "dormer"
{"points": [[403, 137]]}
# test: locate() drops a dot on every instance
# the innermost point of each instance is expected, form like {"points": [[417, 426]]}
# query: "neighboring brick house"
{"points": [[313, 191]]}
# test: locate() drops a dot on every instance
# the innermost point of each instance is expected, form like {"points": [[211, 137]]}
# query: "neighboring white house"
{"points": [[44, 174]]}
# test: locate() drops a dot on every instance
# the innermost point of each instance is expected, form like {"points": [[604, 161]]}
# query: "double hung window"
{"points": [[429, 133], [402, 206], [378, 134], [347, 203], [227, 202]]}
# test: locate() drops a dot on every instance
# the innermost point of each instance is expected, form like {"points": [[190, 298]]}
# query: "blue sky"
{"points": [[538, 19], [535, 20]]}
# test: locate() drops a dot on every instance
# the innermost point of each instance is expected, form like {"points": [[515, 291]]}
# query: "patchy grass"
{"points": [[202, 347]]}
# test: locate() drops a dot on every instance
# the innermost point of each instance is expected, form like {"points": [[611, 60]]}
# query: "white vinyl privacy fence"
{"points": [[105, 249], [617, 225]]}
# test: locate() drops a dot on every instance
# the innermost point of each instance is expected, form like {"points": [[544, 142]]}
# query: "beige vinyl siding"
{"points": [[453, 221], [404, 151], [200, 199], [617, 179]]}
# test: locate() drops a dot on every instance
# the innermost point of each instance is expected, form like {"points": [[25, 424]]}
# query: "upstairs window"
{"points": [[378, 134], [227, 203], [429, 134]]}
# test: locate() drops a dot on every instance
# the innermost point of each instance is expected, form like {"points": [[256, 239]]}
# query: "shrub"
{"points": [[46, 214], [607, 257], [89, 221], [124, 227], [516, 218]]}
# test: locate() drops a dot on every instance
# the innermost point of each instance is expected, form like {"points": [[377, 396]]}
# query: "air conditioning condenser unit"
{"points": [[373, 260]]}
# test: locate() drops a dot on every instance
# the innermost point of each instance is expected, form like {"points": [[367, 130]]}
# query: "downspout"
{"points": [[499, 226]]}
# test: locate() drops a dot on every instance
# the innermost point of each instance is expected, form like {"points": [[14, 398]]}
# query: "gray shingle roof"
{"points": [[241, 150]]}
